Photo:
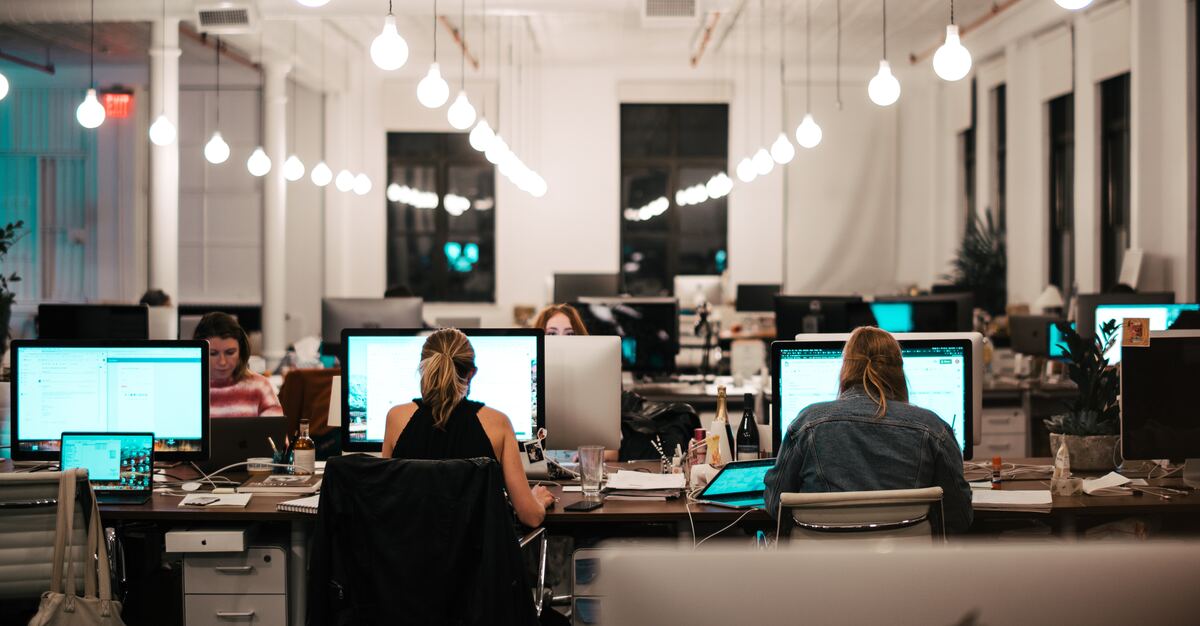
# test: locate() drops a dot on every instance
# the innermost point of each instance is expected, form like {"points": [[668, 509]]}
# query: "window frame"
{"points": [[1115, 215], [1060, 142]]}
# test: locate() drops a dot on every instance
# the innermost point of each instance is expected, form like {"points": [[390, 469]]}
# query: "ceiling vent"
{"points": [[227, 18], [669, 13]]}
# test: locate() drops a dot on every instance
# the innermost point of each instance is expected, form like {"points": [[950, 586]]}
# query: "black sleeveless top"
{"points": [[462, 436]]}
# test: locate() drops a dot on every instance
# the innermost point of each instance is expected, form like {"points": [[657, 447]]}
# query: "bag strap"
{"points": [[89, 568], [61, 535], [102, 570], [68, 499]]}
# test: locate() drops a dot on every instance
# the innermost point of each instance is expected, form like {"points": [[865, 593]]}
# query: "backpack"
{"points": [[642, 420]]}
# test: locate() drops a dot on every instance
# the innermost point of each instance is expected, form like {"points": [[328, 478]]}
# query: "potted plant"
{"points": [[981, 263], [8, 236], [1091, 425]]}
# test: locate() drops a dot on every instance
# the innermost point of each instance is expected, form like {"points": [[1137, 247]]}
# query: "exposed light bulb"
{"points": [[313, 3], [3, 86], [162, 131], [394, 193], [321, 174], [90, 112], [763, 164], [884, 89], [782, 150], [719, 185], [293, 168], [216, 151], [389, 51], [259, 163], [344, 181], [481, 136], [745, 170], [808, 133], [461, 114], [497, 151], [1070, 5], [952, 61], [362, 185], [539, 186], [432, 91]]}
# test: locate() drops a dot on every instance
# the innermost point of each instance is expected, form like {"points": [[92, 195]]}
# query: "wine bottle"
{"points": [[305, 451], [747, 436], [720, 437]]}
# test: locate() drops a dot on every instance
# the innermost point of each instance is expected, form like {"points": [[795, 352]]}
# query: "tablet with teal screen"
{"points": [[739, 485]]}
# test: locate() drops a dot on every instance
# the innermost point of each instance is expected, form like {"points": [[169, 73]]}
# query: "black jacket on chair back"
{"points": [[416, 542]]}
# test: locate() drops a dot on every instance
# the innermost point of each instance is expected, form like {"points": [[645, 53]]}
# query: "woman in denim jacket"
{"points": [[871, 438]]}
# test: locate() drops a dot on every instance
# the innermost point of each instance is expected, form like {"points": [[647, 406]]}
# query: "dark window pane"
{"points": [[704, 131], [645, 130], [1114, 178]]}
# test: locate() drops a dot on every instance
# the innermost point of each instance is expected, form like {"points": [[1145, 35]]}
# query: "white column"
{"points": [[274, 211], [164, 162]]}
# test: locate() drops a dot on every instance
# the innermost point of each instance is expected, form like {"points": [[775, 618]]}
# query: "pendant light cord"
{"points": [[92, 50], [951, 12], [435, 29], [218, 49], [462, 40], [762, 52], [838, 62], [884, 3], [782, 69], [162, 63], [807, 56]]}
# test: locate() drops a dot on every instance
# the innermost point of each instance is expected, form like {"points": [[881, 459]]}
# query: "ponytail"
{"points": [[447, 363], [872, 360]]}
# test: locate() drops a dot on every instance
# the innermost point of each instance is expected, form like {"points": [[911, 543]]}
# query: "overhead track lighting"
{"points": [[389, 51], [90, 112], [952, 61]]}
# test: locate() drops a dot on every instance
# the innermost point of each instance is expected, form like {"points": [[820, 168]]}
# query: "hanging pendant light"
{"points": [[293, 167], [389, 51], [344, 181], [763, 163], [782, 151], [321, 174], [90, 112], [432, 91], [1073, 5], [884, 89], [259, 164], [312, 4], [808, 133], [481, 136], [952, 61], [3, 86], [362, 184], [162, 131], [746, 171], [216, 151], [461, 113]]}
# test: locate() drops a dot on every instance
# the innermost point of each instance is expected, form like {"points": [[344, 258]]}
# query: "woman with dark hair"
{"points": [[233, 390], [560, 319], [871, 438], [444, 424]]}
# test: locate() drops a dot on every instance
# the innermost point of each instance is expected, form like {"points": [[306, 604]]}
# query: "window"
{"points": [[666, 148], [1114, 178], [1062, 193], [441, 224], [966, 153], [1000, 151]]}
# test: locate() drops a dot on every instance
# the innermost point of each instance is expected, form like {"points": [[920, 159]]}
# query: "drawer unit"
{"points": [[227, 609], [255, 571], [1004, 445], [1004, 420]]}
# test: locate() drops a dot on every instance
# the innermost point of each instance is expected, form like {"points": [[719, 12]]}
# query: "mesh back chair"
{"points": [[895, 514], [28, 511]]}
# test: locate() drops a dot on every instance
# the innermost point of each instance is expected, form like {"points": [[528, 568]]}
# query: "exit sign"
{"points": [[117, 105]]}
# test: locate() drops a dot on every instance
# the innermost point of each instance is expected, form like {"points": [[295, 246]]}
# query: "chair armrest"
{"points": [[530, 536], [538, 535]]}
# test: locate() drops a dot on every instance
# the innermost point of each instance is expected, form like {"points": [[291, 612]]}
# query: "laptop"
{"points": [[739, 485], [119, 465], [235, 439]]}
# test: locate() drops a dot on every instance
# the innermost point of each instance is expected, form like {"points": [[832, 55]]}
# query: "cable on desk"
{"points": [[731, 525]]}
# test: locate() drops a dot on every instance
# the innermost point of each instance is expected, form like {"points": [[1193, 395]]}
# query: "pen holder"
{"points": [[281, 457]]}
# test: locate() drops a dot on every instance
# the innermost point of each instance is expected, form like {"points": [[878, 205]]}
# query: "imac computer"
{"points": [[758, 298], [93, 321], [1161, 316], [583, 392], [571, 287], [381, 369], [338, 314], [823, 314], [1056, 345], [1031, 333], [648, 328], [894, 317], [159, 387], [939, 312], [944, 372], [1158, 405], [690, 289], [248, 316], [1086, 303]]}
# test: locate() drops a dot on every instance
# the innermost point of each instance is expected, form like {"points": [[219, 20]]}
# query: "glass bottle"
{"points": [[304, 453]]}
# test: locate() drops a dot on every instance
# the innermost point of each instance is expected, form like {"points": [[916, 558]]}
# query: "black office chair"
{"points": [[420, 542]]}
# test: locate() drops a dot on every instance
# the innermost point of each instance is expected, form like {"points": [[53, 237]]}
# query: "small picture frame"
{"points": [[1135, 332]]}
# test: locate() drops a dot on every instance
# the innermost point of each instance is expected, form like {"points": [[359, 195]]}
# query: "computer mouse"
{"points": [[190, 486]]}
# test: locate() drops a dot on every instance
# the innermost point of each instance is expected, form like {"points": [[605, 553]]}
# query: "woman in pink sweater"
{"points": [[233, 390]]}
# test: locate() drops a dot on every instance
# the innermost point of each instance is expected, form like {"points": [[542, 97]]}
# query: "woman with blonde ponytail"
{"points": [[444, 424], [871, 438]]}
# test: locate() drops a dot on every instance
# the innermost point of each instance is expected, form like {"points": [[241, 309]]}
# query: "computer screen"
{"points": [[688, 289], [757, 298], [382, 370], [1161, 316], [648, 328], [825, 314], [93, 321], [894, 317], [1158, 405], [939, 312], [940, 377], [133, 386], [115, 462], [338, 314], [1086, 303], [1056, 346]]}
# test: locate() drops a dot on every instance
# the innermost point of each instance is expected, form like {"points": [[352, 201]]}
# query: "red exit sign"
{"points": [[117, 105]]}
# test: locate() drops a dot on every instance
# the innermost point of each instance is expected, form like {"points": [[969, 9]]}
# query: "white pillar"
{"points": [[164, 163], [274, 211]]}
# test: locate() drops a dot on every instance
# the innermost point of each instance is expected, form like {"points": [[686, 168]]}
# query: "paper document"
{"points": [[1014, 500], [627, 480], [237, 500], [1095, 486]]}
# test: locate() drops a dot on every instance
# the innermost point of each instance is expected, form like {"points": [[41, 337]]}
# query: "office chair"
{"points": [[902, 514]]}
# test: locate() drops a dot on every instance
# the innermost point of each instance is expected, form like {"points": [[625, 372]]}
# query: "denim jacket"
{"points": [[843, 446]]}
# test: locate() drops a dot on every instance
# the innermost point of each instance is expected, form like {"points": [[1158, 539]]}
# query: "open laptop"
{"points": [[235, 439], [739, 485], [119, 465]]}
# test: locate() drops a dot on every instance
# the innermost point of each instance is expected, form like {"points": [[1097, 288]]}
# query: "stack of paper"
{"points": [[627, 485], [1111, 484], [1014, 500]]}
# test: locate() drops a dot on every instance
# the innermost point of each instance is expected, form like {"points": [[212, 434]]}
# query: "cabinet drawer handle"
{"points": [[231, 615], [229, 569]]}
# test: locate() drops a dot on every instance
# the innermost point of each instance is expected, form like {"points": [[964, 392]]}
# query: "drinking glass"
{"points": [[591, 469]]}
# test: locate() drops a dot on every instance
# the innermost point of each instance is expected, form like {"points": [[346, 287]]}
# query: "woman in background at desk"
{"points": [[444, 424], [560, 319], [871, 438], [233, 390]]}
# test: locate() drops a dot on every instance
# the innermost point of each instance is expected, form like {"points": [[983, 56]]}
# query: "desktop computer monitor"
{"points": [[894, 317], [944, 372], [939, 312], [1161, 316], [583, 392], [648, 328], [688, 289], [338, 314], [757, 298], [834, 317], [381, 369], [1030, 334], [571, 287], [93, 321], [1056, 346], [248, 316], [112, 386], [1086, 303], [1158, 407]]}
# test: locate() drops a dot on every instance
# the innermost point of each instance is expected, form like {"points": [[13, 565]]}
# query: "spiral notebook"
{"points": [[301, 505]]}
